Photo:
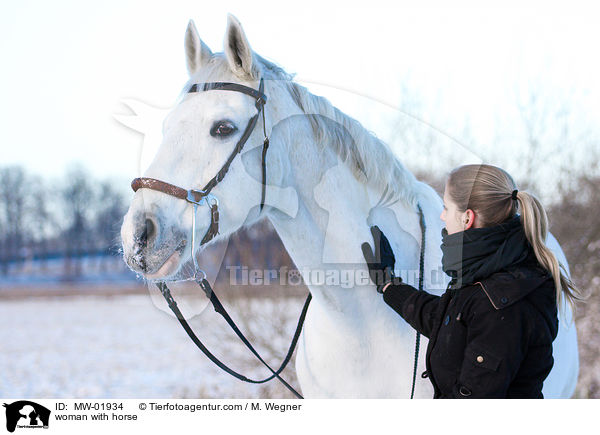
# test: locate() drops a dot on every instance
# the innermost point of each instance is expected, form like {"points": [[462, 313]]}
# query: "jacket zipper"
{"points": [[432, 343], [488, 295]]}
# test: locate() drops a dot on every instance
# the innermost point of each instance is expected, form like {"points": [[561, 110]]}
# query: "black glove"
{"points": [[381, 264]]}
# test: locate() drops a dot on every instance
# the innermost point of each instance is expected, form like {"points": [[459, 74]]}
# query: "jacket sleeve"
{"points": [[496, 345], [418, 308]]}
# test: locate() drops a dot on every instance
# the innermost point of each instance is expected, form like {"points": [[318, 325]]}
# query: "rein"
{"points": [[196, 198], [219, 308]]}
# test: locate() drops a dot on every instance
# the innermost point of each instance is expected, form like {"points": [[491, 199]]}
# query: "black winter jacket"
{"points": [[490, 339]]}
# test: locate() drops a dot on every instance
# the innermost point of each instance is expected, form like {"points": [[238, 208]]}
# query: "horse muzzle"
{"points": [[151, 248]]}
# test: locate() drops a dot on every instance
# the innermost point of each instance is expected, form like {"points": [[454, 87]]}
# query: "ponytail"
{"points": [[535, 225]]}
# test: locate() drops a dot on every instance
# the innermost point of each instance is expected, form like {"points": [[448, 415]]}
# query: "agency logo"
{"points": [[26, 414]]}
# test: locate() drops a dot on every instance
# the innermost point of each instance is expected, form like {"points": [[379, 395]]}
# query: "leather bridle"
{"points": [[196, 198]]}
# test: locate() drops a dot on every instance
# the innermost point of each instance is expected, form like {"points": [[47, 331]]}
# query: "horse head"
{"points": [[199, 136]]}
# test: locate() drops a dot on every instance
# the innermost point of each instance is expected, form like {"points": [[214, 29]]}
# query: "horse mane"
{"points": [[369, 158]]}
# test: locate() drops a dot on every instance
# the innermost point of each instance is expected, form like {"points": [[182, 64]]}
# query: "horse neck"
{"points": [[335, 212]]}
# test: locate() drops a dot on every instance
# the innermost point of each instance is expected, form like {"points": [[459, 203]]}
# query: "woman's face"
{"points": [[454, 219]]}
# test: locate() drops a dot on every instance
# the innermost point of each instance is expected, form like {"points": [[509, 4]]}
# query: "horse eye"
{"points": [[222, 129]]}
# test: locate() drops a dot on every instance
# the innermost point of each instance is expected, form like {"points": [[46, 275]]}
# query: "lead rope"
{"points": [[421, 274]]}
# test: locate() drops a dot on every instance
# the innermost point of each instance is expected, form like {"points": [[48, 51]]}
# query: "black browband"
{"points": [[259, 96]]}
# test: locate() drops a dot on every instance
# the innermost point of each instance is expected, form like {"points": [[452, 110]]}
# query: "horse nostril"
{"points": [[147, 233], [150, 229]]}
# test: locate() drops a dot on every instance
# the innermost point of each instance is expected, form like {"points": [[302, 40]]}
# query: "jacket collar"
{"points": [[509, 286]]}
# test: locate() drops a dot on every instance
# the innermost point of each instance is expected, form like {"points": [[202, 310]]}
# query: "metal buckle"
{"points": [[209, 198], [260, 102], [192, 198]]}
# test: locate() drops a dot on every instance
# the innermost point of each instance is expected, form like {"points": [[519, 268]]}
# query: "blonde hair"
{"points": [[487, 190]]}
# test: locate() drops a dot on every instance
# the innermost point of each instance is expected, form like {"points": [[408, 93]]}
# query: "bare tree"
{"points": [[108, 209], [14, 190], [557, 138], [41, 222], [77, 196]]}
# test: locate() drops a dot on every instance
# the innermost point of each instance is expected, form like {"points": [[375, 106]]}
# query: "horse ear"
{"points": [[197, 52], [238, 51]]}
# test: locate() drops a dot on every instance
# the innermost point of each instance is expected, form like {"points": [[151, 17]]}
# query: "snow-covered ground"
{"points": [[125, 347]]}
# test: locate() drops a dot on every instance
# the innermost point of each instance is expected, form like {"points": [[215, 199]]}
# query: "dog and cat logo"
{"points": [[26, 414]]}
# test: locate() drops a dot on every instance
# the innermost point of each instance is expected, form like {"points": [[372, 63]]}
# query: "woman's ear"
{"points": [[469, 219]]}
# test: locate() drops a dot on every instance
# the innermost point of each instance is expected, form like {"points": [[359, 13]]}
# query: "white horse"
{"points": [[352, 345]]}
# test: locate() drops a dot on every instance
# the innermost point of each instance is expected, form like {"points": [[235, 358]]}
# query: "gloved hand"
{"points": [[381, 264]]}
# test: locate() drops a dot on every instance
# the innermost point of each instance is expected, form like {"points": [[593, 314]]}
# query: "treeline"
{"points": [[70, 217], [79, 215]]}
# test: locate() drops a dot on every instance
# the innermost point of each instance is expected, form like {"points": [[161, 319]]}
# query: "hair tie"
{"points": [[514, 194]]}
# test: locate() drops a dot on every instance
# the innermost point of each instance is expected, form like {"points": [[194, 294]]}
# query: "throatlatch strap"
{"points": [[264, 163]]}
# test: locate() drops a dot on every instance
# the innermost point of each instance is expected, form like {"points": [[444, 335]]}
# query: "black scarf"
{"points": [[476, 253]]}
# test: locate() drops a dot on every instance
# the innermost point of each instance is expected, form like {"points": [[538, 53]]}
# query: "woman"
{"points": [[490, 334]]}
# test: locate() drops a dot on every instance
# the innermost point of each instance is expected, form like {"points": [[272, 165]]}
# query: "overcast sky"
{"points": [[67, 65]]}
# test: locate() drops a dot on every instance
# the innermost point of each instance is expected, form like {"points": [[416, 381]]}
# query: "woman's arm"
{"points": [[418, 308]]}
